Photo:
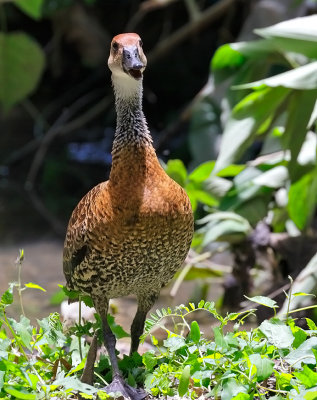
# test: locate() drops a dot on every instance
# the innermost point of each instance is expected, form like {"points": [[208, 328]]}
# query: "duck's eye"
{"points": [[115, 46], [140, 43]]}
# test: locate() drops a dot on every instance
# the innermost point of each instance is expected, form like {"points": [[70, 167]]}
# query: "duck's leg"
{"points": [[145, 303], [118, 383]]}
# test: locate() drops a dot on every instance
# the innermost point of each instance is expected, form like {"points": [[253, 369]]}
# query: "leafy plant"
{"points": [[275, 360]]}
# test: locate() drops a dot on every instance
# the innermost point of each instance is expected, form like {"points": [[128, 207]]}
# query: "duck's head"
{"points": [[126, 56]]}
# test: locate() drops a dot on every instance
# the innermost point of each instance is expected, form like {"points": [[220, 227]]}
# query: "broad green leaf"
{"points": [[71, 382], [264, 301], [219, 339], [184, 381], [177, 171], [304, 77], [19, 392], [21, 66], [311, 395], [277, 333], [34, 286], [307, 377], [226, 230], [33, 8], [295, 35], [118, 331], [231, 170], [232, 388], [303, 354], [300, 107], [202, 172], [246, 118], [224, 226], [264, 366], [302, 198], [194, 332], [203, 130], [174, 343], [23, 330], [274, 177], [226, 61], [149, 360], [255, 48]]}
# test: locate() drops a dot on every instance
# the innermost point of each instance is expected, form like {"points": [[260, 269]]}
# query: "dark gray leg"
{"points": [[118, 384], [145, 303]]}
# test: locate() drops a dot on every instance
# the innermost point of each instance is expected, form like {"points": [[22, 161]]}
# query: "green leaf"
{"points": [[194, 332], [117, 330], [303, 354], [33, 8], [184, 381], [311, 324], [245, 120], [264, 366], [177, 171], [277, 333], [264, 301], [34, 286], [23, 330], [232, 388], [174, 343], [302, 198], [275, 177], [19, 392], [300, 107], [295, 35], [224, 226], [219, 339], [21, 66], [310, 395], [202, 172], [304, 77], [149, 360], [7, 297], [307, 377]]}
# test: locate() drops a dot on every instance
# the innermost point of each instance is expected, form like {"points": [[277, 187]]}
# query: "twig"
{"points": [[205, 18], [65, 129], [37, 203]]}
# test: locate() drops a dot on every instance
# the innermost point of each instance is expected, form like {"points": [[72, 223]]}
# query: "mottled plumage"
{"points": [[128, 235]]}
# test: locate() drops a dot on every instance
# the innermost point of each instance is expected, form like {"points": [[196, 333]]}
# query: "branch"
{"points": [[204, 19]]}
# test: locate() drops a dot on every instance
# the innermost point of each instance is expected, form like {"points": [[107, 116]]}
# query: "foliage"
{"points": [[278, 115], [279, 110], [275, 360]]}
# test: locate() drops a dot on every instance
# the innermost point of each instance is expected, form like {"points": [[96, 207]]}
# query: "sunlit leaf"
{"points": [[246, 118], [33, 8], [264, 301], [277, 333], [184, 381], [35, 286], [304, 77], [264, 366]]}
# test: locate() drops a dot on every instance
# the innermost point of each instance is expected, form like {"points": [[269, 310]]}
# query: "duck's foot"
{"points": [[118, 384]]}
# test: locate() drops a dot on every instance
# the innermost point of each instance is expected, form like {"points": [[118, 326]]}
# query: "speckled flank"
{"points": [[133, 232]]}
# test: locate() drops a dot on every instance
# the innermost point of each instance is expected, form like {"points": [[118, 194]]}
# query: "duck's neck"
{"points": [[131, 130]]}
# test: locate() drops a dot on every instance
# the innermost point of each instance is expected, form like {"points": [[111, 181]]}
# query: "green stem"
{"points": [[19, 262], [79, 337]]}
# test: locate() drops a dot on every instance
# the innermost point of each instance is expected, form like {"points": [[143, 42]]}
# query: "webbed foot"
{"points": [[118, 384]]}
